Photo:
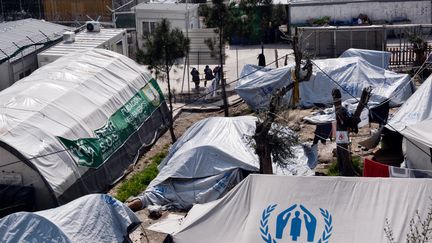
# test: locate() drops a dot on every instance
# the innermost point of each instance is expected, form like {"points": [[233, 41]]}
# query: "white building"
{"points": [[110, 39], [416, 11], [20, 41], [180, 16]]}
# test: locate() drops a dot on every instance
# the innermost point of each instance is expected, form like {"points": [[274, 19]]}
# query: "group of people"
{"points": [[208, 74]]}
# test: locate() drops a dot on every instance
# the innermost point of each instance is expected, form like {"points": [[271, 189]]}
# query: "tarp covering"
{"points": [[210, 158], [92, 218], [417, 145], [416, 109], [82, 120], [266, 208], [351, 73], [378, 58], [414, 121], [328, 115]]}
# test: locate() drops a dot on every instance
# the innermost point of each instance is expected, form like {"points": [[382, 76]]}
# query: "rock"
{"points": [[155, 211]]}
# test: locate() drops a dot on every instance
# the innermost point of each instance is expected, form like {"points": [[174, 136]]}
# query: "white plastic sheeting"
{"points": [[416, 109], [378, 58], [79, 120], [210, 158], [414, 121], [417, 145], [265, 208], [92, 218], [328, 115], [351, 73]]}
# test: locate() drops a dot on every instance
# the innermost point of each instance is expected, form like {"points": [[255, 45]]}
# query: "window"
{"points": [[119, 47], [148, 27]]}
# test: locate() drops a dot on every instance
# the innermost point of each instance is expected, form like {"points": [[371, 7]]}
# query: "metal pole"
{"points": [[237, 62], [40, 11], [2, 10], [187, 36], [188, 80], [184, 70], [224, 97]]}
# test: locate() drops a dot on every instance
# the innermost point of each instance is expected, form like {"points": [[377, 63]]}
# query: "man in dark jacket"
{"points": [[195, 78], [208, 75]]}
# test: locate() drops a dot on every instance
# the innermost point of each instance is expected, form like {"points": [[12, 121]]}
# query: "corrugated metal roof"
{"points": [[83, 40], [165, 6], [26, 31]]}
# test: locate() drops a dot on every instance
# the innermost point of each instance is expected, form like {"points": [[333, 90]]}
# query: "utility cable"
{"points": [[367, 107]]}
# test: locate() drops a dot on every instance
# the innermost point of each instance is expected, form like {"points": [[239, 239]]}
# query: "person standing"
{"points": [[195, 78], [208, 75], [216, 72]]}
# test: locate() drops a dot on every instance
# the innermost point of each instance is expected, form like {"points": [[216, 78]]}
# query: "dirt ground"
{"points": [[186, 119]]}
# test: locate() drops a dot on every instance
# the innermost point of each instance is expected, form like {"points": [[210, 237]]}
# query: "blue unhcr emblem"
{"points": [[109, 200], [283, 219]]}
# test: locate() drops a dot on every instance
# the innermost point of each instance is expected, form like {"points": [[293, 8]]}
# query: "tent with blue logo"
{"points": [[350, 74], [92, 218], [269, 208], [210, 158]]}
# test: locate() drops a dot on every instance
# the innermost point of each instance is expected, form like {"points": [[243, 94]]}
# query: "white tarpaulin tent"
{"points": [[351, 73], [416, 109], [74, 126], [210, 158], [266, 208], [414, 121], [377, 58], [92, 218]]}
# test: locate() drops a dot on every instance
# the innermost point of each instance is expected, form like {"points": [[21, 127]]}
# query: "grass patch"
{"points": [[333, 170], [139, 182]]}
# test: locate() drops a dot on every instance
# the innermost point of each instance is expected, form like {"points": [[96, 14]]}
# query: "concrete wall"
{"points": [[176, 18], [419, 12], [4, 75], [114, 44], [12, 72]]}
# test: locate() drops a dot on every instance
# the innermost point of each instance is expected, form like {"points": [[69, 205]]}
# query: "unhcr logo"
{"points": [[295, 224]]}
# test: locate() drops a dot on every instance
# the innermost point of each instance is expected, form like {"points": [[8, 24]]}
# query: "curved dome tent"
{"points": [[74, 126]]}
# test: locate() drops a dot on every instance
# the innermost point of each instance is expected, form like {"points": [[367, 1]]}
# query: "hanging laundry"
{"points": [[375, 169]]}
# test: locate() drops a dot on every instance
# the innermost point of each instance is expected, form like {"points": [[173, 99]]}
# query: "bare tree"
{"points": [[275, 142], [163, 48]]}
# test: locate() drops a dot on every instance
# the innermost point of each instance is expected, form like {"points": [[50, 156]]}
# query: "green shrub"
{"points": [[333, 169], [139, 182]]}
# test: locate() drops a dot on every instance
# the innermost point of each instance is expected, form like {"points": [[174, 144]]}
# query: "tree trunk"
{"points": [[262, 132], [297, 57], [171, 124], [263, 149]]}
